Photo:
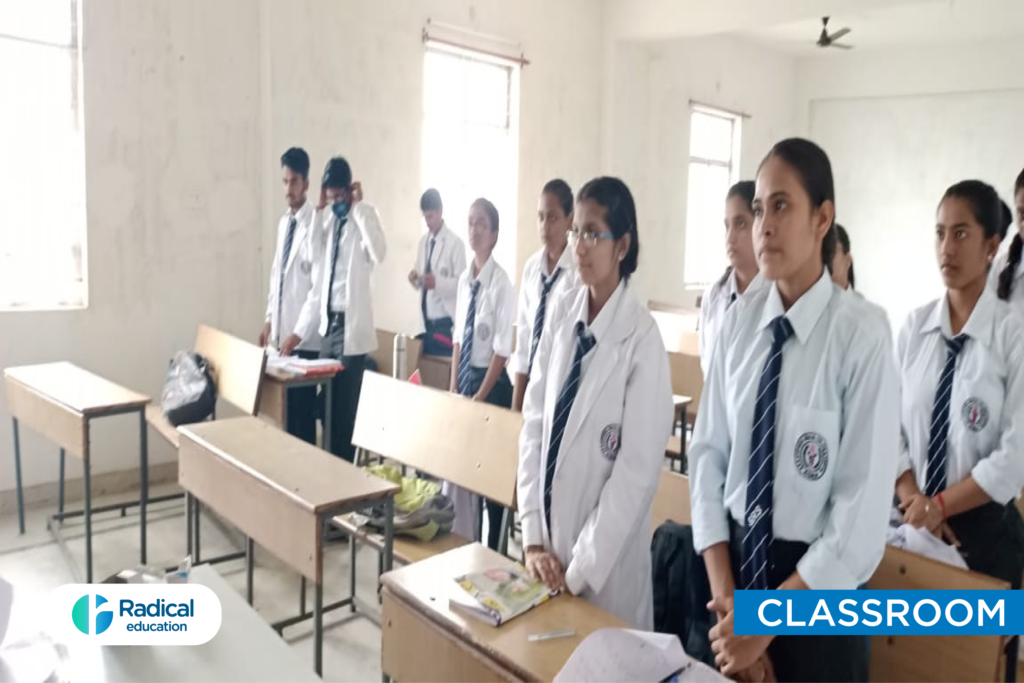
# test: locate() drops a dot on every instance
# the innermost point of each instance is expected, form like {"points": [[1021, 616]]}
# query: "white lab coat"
{"points": [[611, 455], [447, 263], [362, 246], [297, 316]]}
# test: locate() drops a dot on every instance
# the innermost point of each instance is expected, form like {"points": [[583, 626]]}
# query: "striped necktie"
{"points": [[427, 270], [538, 320], [466, 349], [940, 420], [288, 239], [566, 397], [757, 517], [338, 225]]}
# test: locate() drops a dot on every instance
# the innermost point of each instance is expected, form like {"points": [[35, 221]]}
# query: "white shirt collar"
{"points": [[805, 313], [484, 277], [603, 322], [978, 327]]}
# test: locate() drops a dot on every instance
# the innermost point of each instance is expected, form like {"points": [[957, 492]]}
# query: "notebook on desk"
{"points": [[498, 595]]}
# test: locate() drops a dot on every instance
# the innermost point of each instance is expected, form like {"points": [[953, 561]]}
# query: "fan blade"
{"points": [[839, 34], [841, 46]]}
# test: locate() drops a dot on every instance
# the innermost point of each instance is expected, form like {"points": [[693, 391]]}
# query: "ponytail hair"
{"points": [[844, 242], [1006, 277]]}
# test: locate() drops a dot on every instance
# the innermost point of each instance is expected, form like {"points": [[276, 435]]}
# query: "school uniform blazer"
{"points": [[362, 246], [610, 458], [294, 314]]}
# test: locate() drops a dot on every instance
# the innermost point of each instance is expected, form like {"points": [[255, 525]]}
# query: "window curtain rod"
{"points": [[520, 60], [712, 108]]}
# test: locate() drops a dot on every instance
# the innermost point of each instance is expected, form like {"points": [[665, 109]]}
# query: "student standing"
{"points": [[547, 274], [741, 276], [292, 322], [484, 319], [841, 264], [597, 414], [797, 434], [440, 260], [354, 243], [1007, 274], [962, 365]]}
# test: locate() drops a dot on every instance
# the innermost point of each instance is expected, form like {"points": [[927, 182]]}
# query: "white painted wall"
{"points": [[647, 133], [188, 106], [900, 127]]}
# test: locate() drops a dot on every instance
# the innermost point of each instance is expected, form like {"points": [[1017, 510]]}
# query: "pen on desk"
{"points": [[549, 635]]}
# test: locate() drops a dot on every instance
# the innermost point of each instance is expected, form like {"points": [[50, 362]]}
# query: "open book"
{"points": [[301, 366], [500, 594], [614, 655]]}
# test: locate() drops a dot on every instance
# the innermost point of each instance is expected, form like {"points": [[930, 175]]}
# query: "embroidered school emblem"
{"points": [[755, 515], [811, 456], [611, 437], [974, 414], [483, 330], [444, 272], [306, 267]]}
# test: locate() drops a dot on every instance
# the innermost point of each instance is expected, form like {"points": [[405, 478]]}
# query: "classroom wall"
{"points": [[188, 106], [646, 133], [900, 127]]}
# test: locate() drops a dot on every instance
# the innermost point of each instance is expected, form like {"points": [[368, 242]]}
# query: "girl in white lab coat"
{"points": [[484, 317], [741, 276], [597, 414], [797, 433], [962, 365], [1007, 274]]}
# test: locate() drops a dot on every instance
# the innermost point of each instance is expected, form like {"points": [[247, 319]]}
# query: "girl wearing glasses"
{"points": [[596, 417]]}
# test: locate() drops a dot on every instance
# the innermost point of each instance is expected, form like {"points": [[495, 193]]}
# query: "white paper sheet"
{"points": [[623, 656]]}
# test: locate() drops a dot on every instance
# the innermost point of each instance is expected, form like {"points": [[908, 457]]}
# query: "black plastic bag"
{"points": [[190, 393]]}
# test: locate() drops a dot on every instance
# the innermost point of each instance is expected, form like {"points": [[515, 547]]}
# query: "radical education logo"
{"points": [[137, 614]]}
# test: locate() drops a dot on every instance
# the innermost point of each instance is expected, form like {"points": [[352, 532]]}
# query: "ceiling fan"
{"points": [[826, 40]]}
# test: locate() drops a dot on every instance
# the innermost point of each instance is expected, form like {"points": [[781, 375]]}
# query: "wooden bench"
{"points": [[472, 445], [237, 369], [384, 356], [932, 658]]}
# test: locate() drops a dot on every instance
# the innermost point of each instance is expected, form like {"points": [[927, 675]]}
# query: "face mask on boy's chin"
{"points": [[340, 209]]}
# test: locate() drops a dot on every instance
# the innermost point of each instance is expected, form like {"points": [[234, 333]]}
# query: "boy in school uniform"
{"points": [[440, 260], [292, 322], [354, 243]]}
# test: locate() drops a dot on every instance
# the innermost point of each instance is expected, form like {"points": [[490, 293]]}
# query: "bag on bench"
{"points": [[190, 393]]}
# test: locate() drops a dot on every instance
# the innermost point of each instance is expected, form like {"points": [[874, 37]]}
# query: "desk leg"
{"points": [[87, 467], [250, 551], [302, 595], [188, 524], [195, 531], [683, 467], [503, 543], [328, 414], [389, 533], [17, 475], [318, 607], [352, 571], [144, 481], [60, 491]]}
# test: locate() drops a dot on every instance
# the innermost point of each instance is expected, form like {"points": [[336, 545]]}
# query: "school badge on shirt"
{"points": [[974, 414], [611, 438], [306, 267], [483, 331], [811, 456]]}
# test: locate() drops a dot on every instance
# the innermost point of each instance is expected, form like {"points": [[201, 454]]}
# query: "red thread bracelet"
{"points": [[942, 504]]}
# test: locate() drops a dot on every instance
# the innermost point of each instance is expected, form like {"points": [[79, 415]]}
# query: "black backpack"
{"points": [[190, 394], [681, 590]]}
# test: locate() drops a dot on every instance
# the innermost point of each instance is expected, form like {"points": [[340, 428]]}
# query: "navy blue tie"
{"points": [[288, 239], [339, 223], [939, 436], [466, 348], [757, 517], [427, 269], [538, 320], [566, 397]]}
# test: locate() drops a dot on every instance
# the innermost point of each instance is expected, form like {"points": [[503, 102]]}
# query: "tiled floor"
{"points": [[35, 563]]}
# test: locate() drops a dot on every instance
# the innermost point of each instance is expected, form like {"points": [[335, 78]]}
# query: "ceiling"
{"points": [[938, 22]]}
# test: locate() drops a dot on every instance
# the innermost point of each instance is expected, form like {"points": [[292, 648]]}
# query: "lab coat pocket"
{"points": [[806, 459]]}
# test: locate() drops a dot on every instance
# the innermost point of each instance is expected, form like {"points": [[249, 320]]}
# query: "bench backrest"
{"points": [[687, 379], [472, 445], [932, 658], [236, 365], [671, 500]]}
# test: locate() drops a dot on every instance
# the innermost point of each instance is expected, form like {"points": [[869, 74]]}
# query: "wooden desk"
{"points": [[246, 649], [423, 640], [280, 491], [276, 384], [436, 372], [59, 400]]}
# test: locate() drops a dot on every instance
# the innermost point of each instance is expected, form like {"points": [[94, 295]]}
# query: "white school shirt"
{"points": [[297, 315], [495, 313], [718, 298], [838, 391], [534, 273], [986, 422], [446, 263], [362, 246], [1016, 300]]}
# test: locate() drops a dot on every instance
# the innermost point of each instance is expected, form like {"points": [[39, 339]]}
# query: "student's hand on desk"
{"points": [[290, 344], [265, 335], [545, 567], [429, 282], [733, 653], [920, 511]]}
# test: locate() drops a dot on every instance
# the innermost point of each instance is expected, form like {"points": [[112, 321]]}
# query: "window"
{"points": [[42, 176], [471, 139], [714, 168]]}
